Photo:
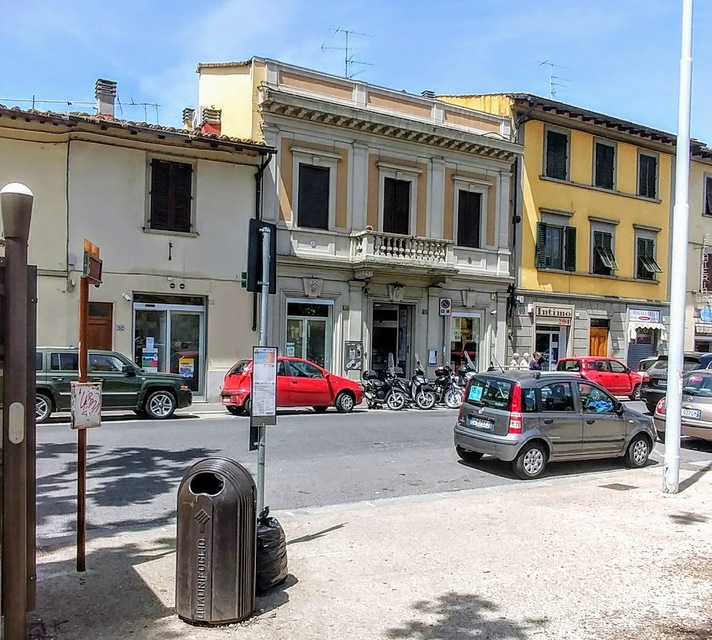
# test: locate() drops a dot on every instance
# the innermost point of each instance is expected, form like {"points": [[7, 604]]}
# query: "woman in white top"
{"points": [[524, 362], [516, 358]]}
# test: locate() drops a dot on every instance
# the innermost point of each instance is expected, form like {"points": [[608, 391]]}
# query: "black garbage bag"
{"points": [[271, 552]]}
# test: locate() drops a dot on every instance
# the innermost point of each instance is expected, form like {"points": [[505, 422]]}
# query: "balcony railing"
{"points": [[377, 244]]}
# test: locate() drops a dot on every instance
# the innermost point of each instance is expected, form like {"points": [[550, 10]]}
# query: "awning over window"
{"points": [[633, 326]]}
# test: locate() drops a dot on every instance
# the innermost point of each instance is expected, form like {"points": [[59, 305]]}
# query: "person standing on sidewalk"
{"points": [[535, 362], [524, 362], [516, 359]]}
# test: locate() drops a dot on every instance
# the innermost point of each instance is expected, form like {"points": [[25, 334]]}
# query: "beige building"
{"points": [[169, 209], [698, 325], [393, 213]]}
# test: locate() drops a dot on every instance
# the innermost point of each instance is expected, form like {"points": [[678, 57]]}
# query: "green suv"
{"points": [[125, 386]]}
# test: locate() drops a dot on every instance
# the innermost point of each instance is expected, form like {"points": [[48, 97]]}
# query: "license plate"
{"points": [[479, 423], [226, 400], [691, 413]]}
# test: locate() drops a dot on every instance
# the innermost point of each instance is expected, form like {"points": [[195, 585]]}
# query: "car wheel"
{"points": [[320, 409], [468, 456], [661, 436], [160, 405], [531, 461], [247, 405], [43, 408], [344, 403], [638, 452], [636, 393], [236, 411]]}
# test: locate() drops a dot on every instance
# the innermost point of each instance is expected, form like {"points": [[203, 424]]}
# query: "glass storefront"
{"points": [[550, 341], [465, 333], [309, 331], [169, 336]]}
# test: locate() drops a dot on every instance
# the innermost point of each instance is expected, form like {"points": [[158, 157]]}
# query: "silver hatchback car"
{"points": [[531, 418]]}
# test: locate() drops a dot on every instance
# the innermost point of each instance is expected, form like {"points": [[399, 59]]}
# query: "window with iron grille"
{"points": [[313, 197], [646, 266], [647, 176], [171, 196], [604, 166], [396, 206], [708, 196], [469, 217], [557, 149], [603, 261], [555, 247]]}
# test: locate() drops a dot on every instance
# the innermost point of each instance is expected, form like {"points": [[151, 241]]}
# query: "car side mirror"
{"points": [[620, 408], [129, 370]]}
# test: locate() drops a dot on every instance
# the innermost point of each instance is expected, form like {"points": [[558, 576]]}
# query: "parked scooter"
{"points": [[449, 389], [386, 392], [419, 390]]}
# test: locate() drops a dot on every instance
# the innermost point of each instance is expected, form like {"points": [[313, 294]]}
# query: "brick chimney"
{"points": [[210, 121], [188, 116], [105, 91]]}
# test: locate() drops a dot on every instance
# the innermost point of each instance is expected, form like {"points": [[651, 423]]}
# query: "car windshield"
{"points": [[490, 392], [698, 385], [239, 368], [660, 366], [569, 365]]}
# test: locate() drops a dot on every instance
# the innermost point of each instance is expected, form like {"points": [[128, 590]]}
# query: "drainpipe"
{"points": [[258, 216]]}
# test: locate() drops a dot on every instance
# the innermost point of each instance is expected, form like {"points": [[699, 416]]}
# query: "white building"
{"points": [[389, 206], [169, 209]]}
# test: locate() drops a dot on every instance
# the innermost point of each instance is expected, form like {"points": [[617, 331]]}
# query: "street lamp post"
{"points": [[678, 266], [16, 204]]}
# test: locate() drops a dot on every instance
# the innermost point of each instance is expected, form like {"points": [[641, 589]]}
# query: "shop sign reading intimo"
{"points": [[562, 314]]}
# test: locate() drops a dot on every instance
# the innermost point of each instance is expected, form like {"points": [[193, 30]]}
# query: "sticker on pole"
{"points": [[445, 306], [86, 405], [264, 385]]}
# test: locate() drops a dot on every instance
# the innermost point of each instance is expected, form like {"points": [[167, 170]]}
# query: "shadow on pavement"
{"points": [[460, 616], [275, 598], [316, 535], [688, 482], [120, 477], [688, 518], [502, 469]]}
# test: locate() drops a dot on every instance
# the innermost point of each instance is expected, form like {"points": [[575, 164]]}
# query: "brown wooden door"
{"points": [[598, 343], [101, 322]]}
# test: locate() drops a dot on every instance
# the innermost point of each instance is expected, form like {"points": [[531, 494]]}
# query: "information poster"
{"points": [[186, 367], [264, 385], [86, 405], [149, 360]]}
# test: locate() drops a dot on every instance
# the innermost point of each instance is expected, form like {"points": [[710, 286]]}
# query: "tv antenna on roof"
{"points": [[348, 50], [553, 84]]}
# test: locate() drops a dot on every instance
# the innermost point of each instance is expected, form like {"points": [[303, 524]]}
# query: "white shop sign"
{"points": [[643, 315]]}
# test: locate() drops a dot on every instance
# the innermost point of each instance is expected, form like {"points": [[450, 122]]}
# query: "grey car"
{"points": [[531, 418]]}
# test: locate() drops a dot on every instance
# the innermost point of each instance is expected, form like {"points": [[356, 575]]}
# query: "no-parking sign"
{"points": [[445, 306]]}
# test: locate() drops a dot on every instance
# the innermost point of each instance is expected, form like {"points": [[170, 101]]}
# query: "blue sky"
{"points": [[621, 57]]}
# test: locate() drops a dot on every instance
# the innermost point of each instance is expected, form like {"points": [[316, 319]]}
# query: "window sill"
{"points": [[597, 276], [162, 232], [612, 192]]}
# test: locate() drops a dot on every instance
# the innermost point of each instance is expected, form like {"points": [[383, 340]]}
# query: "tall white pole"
{"points": [[264, 299], [678, 267]]}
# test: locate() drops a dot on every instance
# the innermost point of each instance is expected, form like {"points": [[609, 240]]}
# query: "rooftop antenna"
{"points": [[553, 84], [348, 50]]}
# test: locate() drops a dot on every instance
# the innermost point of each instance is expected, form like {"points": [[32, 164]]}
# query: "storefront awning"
{"points": [[634, 325]]}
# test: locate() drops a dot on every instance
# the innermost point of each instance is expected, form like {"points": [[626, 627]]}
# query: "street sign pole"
{"points": [[264, 300], [678, 267]]}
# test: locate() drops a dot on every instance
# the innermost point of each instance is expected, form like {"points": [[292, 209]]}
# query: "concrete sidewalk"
{"points": [[563, 558]]}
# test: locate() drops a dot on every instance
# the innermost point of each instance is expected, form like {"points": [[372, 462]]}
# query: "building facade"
{"points": [[392, 212], [591, 230], [169, 210], [698, 324]]}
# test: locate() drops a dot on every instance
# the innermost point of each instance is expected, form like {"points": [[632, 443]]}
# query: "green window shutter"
{"points": [[708, 196], [570, 249], [556, 154], [608, 247], [541, 245]]}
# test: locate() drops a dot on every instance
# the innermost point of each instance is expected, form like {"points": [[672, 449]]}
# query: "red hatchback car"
{"points": [[300, 383], [610, 373]]}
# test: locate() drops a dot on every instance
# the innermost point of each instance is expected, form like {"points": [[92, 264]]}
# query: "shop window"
{"points": [[604, 165], [396, 205], [647, 175], [557, 150], [465, 338], [313, 197], [555, 247], [309, 332], [171, 198], [469, 218], [603, 259], [646, 266]]}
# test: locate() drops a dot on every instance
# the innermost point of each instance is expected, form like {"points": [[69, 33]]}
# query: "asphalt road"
{"points": [[135, 466]]}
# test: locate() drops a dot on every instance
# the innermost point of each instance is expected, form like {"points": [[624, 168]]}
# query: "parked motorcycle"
{"points": [[387, 392], [420, 392], [449, 388]]}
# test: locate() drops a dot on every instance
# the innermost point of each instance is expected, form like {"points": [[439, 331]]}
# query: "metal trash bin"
{"points": [[215, 547]]}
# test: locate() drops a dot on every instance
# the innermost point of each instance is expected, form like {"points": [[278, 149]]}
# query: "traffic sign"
{"points": [[445, 306]]}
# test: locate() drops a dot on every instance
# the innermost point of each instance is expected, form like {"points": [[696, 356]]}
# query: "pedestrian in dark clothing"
{"points": [[535, 362]]}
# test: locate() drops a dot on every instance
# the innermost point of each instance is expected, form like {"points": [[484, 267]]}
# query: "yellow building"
{"points": [[698, 334], [591, 229]]}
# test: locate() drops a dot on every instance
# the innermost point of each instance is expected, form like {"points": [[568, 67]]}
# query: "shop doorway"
{"points": [[551, 343], [309, 331], [100, 325], [598, 338], [169, 336], [391, 333]]}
